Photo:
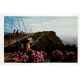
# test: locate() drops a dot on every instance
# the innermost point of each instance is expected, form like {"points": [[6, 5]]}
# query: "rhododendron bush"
{"points": [[31, 56], [35, 56]]}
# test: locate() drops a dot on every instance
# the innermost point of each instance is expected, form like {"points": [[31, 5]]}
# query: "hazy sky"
{"points": [[65, 27]]}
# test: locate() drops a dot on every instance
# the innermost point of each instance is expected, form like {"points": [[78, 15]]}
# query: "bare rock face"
{"points": [[46, 40]]}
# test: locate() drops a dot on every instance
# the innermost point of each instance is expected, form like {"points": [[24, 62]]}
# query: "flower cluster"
{"points": [[21, 58], [36, 56], [57, 55]]}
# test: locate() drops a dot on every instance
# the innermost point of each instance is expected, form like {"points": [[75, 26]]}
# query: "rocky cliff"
{"points": [[46, 40]]}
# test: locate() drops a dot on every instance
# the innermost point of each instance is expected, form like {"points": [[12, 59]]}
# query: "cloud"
{"points": [[63, 26]]}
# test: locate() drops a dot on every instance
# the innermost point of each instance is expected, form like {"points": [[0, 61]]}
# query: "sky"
{"points": [[65, 27]]}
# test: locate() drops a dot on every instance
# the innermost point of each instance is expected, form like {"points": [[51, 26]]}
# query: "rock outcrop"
{"points": [[46, 40]]}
